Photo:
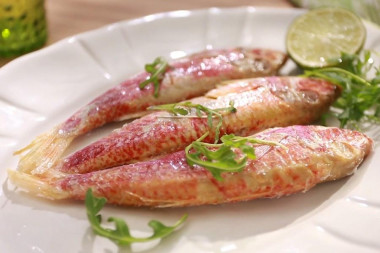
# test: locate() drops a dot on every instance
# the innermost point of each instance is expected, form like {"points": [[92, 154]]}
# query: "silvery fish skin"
{"points": [[186, 78], [260, 103], [308, 155]]}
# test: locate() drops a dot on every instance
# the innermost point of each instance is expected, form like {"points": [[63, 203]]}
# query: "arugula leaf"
{"points": [[121, 235], [183, 109], [219, 158], [157, 70], [360, 98]]}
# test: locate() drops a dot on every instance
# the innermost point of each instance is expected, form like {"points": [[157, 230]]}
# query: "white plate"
{"points": [[42, 89]]}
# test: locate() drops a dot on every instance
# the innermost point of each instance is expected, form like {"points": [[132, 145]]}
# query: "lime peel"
{"points": [[319, 37]]}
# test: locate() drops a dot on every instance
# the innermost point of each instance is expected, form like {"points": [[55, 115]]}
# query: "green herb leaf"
{"points": [[121, 235], [219, 158], [183, 109], [359, 101], [157, 70]]}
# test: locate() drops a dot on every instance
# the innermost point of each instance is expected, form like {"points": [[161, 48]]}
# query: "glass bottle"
{"points": [[22, 26]]}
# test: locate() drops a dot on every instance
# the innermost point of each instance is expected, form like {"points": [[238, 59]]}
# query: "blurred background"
{"points": [[65, 18], [68, 17]]}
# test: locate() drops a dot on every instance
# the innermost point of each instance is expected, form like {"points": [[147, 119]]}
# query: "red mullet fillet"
{"points": [[188, 77], [313, 154], [260, 103]]}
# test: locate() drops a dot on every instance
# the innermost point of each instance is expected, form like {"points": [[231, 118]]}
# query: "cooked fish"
{"points": [[186, 78], [312, 155]]}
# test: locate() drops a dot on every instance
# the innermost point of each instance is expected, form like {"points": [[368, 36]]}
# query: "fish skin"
{"points": [[313, 154], [188, 77], [260, 102]]}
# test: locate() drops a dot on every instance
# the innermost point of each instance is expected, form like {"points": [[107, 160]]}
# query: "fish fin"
{"points": [[36, 185], [43, 152]]}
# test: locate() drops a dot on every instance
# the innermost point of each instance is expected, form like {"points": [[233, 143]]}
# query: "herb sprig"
{"points": [[183, 109], [121, 235], [157, 70], [219, 158], [360, 98]]}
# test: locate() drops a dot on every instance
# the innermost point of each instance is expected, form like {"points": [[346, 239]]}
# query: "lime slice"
{"points": [[319, 37]]}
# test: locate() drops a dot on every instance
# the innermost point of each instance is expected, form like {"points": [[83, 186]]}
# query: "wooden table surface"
{"points": [[69, 17]]}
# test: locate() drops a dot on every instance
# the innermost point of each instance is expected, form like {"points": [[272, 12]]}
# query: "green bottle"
{"points": [[22, 26]]}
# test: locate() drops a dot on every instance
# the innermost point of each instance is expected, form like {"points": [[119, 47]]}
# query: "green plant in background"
{"points": [[368, 9]]}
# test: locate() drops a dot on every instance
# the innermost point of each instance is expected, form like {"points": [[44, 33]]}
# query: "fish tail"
{"points": [[43, 152], [36, 185]]}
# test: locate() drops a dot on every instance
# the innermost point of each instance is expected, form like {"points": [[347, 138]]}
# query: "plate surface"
{"points": [[42, 89]]}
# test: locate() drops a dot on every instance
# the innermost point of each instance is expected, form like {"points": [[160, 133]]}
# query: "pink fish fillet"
{"points": [[311, 155], [260, 102], [188, 77]]}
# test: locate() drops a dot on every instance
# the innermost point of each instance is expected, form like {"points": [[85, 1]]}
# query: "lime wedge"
{"points": [[319, 37]]}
